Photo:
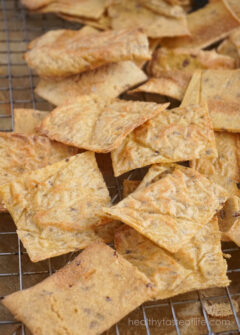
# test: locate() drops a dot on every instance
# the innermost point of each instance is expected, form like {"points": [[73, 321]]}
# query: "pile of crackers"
{"points": [[151, 85]]}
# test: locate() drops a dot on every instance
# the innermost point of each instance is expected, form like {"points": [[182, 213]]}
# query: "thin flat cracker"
{"points": [[95, 124], [35, 4], [73, 52], [103, 23], [187, 60], [26, 120], [184, 271], [223, 170], [170, 84], [76, 299], [129, 14], [218, 22], [68, 195], [171, 210], [108, 81], [91, 9], [229, 220], [164, 8], [172, 136], [228, 48]]}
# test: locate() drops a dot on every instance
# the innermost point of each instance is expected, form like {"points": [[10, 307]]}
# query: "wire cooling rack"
{"points": [[183, 314]]}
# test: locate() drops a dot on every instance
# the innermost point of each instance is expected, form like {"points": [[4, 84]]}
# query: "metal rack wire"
{"points": [[17, 84]]}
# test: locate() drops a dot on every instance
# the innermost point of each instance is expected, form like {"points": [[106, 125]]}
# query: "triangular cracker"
{"points": [[207, 26], [229, 220], [94, 124], [73, 52], [108, 81], [26, 120], [171, 210], [89, 295], [223, 170], [172, 136], [103, 23], [199, 265], [219, 89], [129, 14]]}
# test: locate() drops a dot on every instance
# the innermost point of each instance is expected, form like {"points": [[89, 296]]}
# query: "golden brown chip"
{"points": [[68, 195], [187, 60], [171, 210], [108, 81], [107, 231], [172, 136], [94, 124], [26, 120], [35, 4], [76, 299], [170, 84], [223, 170], [234, 7], [220, 90], [129, 14], [180, 272], [220, 310], [163, 7], [228, 48], [66, 52], [229, 220], [91, 9], [218, 22]]}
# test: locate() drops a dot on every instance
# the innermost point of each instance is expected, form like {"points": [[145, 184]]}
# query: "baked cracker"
{"points": [[26, 120], [107, 81], [173, 135], [73, 52], [94, 124], [183, 271], [218, 22], [76, 299], [229, 220], [130, 13], [170, 211], [223, 170]]}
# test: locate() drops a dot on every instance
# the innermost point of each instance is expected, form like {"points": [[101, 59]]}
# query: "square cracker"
{"points": [[67, 52], [68, 194], [173, 135], [130, 13], [21, 153], [219, 89], [26, 120], [223, 170], [218, 23], [183, 271], [107, 81], [171, 210], [89, 295], [96, 124], [229, 220]]}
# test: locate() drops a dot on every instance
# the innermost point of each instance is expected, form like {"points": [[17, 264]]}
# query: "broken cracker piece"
{"points": [[229, 220], [94, 124], [172, 136], [224, 169], [171, 210], [73, 52], [76, 299], [183, 271]]}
